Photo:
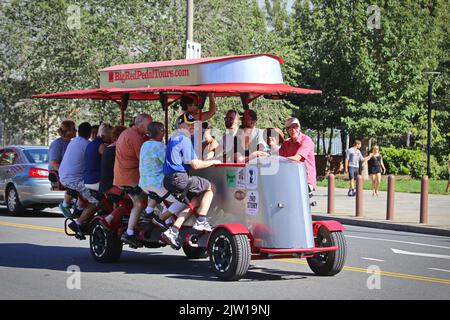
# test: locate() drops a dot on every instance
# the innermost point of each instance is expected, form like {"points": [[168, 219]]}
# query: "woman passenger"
{"points": [[375, 165]]}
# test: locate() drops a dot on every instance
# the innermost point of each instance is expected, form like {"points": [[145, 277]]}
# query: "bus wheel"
{"points": [[229, 254], [332, 262], [105, 244]]}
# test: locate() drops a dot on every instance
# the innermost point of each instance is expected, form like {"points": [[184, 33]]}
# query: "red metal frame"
{"points": [[233, 228], [303, 250], [331, 225], [239, 165]]}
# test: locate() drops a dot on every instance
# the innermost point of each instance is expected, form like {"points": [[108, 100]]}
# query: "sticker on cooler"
{"points": [[240, 178], [252, 203], [251, 179], [231, 178]]}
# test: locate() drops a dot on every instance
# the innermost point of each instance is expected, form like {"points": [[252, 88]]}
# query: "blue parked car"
{"points": [[24, 179]]}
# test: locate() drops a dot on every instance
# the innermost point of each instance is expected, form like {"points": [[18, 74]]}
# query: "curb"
{"points": [[383, 225]]}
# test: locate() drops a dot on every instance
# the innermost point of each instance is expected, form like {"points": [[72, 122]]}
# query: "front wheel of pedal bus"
{"points": [[229, 254], [328, 263]]}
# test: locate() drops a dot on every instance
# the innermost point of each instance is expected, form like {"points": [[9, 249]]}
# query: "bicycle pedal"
{"points": [[80, 237]]}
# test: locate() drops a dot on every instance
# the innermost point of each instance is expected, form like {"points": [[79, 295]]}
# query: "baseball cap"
{"points": [[290, 121], [186, 118]]}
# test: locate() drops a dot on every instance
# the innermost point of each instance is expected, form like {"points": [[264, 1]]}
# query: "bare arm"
{"points": [[382, 165], [346, 165], [297, 157], [201, 164], [212, 109], [102, 148], [55, 164]]}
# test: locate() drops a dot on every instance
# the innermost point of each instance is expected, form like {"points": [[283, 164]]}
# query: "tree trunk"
{"points": [[318, 142], [343, 141], [323, 143], [331, 141]]}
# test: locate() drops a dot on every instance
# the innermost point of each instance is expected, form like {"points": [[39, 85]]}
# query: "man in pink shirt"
{"points": [[300, 147]]}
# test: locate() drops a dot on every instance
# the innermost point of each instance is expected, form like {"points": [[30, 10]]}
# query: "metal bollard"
{"points": [[359, 196], [390, 197], [424, 200], [331, 186]]}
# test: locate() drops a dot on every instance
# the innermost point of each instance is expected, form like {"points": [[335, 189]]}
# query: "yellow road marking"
{"points": [[30, 226], [347, 268], [384, 273]]}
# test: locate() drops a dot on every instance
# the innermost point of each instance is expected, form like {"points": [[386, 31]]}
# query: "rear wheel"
{"points": [[13, 202], [332, 262], [105, 244], [195, 252], [229, 255]]}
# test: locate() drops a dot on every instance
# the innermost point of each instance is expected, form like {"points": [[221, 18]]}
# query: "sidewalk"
{"points": [[406, 213]]}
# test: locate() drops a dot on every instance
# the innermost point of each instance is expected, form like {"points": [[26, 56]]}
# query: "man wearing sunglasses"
{"points": [[300, 147]]}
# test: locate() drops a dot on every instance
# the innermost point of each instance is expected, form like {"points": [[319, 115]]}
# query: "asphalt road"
{"points": [[35, 255]]}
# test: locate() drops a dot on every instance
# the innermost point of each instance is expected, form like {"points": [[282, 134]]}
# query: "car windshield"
{"points": [[37, 155]]}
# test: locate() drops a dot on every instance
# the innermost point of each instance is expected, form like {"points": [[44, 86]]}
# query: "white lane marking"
{"points": [[430, 255], [439, 269], [372, 259], [399, 241]]}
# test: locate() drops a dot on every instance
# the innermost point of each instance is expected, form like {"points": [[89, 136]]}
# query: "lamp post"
{"points": [[430, 102]]}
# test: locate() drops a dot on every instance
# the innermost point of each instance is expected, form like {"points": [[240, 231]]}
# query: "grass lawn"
{"points": [[401, 185]]}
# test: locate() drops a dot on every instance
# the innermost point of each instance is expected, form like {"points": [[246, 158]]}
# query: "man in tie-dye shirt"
{"points": [[151, 161]]}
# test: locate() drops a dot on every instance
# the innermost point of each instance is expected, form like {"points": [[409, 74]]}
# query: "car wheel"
{"points": [[13, 202]]}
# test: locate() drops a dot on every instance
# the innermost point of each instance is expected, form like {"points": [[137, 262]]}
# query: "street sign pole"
{"points": [[430, 93]]}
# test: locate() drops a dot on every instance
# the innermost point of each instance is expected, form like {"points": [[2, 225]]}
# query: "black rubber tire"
{"points": [[105, 245], [229, 255], [14, 207], [332, 262], [195, 252]]}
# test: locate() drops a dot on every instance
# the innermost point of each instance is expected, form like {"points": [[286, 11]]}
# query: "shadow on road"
{"points": [[32, 256], [31, 214]]}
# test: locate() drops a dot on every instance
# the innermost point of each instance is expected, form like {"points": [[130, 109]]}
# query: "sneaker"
{"points": [[158, 222], [148, 216], [202, 226], [79, 230], [350, 193], [172, 238], [65, 211], [132, 241]]}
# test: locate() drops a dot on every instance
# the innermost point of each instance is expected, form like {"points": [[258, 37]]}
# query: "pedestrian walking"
{"points": [[353, 157], [376, 168]]}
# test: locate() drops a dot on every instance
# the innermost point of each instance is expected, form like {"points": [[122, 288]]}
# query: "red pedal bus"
{"points": [[261, 209]]}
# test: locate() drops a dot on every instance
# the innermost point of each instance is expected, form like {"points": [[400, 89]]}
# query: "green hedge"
{"points": [[413, 162]]}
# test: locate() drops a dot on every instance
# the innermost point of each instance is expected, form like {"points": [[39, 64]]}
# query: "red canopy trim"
{"points": [[153, 93]]}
